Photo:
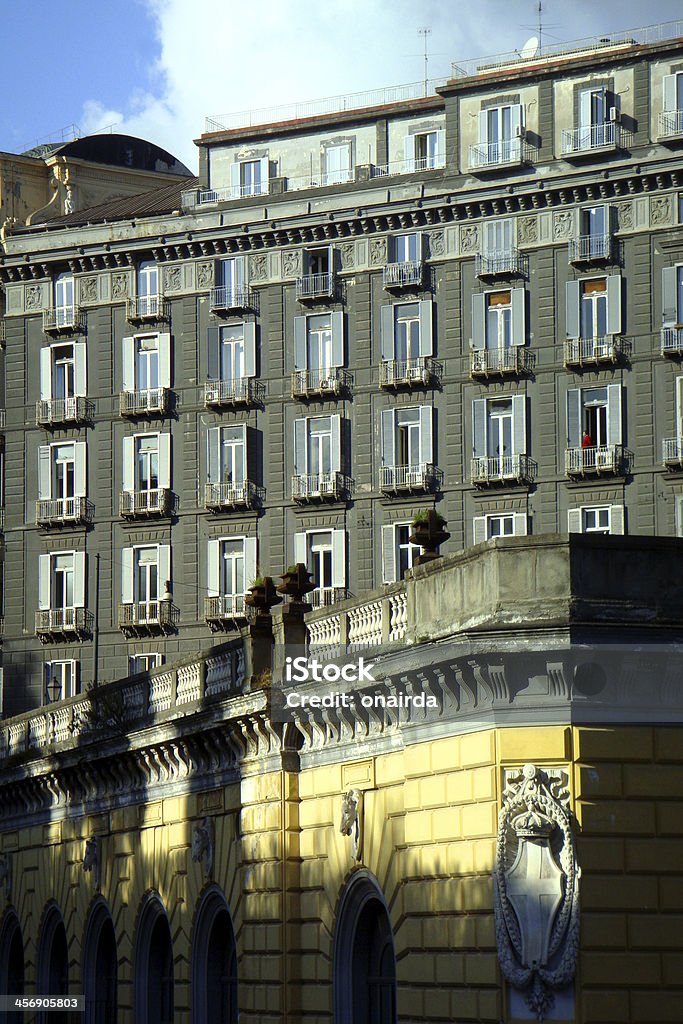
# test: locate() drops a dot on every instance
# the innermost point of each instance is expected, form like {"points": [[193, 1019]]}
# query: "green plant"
{"points": [[291, 568], [422, 517], [260, 581]]}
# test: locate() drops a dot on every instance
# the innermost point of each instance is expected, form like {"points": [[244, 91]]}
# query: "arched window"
{"points": [[364, 960], [11, 964], [53, 963], [214, 963], [153, 965], [100, 967]]}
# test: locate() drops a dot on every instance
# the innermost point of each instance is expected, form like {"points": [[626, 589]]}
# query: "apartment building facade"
{"points": [[469, 301]]}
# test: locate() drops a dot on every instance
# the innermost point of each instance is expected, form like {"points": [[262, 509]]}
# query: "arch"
{"points": [[53, 962], [364, 961], [153, 964], [11, 963], [214, 962], [100, 966]]}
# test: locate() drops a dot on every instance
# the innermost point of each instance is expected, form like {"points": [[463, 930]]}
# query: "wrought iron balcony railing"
{"points": [[157, 501], [422, 476], [611, 348], [407, 274], [327, 380], [592, 461], [224, 610], [227, 496], [51, 412], [422, 371], [504, 262], [576, 141], [194, 197], [671, 124], [591, 248], [241, 391], [139, 618], [63, 623], [500, 469], [506, 153], [315, 286], [672, 340], [672, 451], [147, 307], [224, 299], [321, 487], [60, 511], [323, 597], [148, 402], [501, 362], [63, 318]]}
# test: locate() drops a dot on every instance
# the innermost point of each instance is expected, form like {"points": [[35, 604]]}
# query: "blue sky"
{"points": [[156, 68]]}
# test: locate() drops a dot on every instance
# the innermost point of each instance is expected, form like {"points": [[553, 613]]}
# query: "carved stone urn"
{"points": [[296, 583], [428, 531], [262, 595]]}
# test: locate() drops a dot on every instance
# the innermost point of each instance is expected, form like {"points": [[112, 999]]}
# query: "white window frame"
{"points": [[337, 172], [62, 667], [135, 669], [215, 555], [302, 543], [218, 439], [147, 279], [131, 381], [391, 551], [576, 519], [47, 580], [76, 378], [482, 525], [303, 462]]}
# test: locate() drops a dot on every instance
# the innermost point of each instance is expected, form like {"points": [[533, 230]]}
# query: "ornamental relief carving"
{"points": [[119, 286], [563, 225], [347, 255], [527, 230], [291, 263], [173, 280], [469, 238], [378, 252], [625, 216], [88, 289], [661, 211], [32, 296], [258, 267], [204, 275], [437, 244]]}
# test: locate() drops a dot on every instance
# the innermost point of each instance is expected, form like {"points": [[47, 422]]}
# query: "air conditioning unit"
{"points": [[614, 114]]}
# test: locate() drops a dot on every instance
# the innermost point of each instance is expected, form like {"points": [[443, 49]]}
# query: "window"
{"points": [[227, 454], [499, 524], [231, 362], [62, 377], [143, 663], [64, 300], [147, 289], [498, 319], [146, 580], [323, 552], [406, 248], [594, 232], [214, 962], [598, 109], [337, 164], [424, 150], [318, 350], [146, 462], [317, 449], [249, 178], [594, 307], [407, 447], [232, 568], [231, 284], [501, 130], [499, 436], [145, 577], [398, 553], [61, 680], [147, 367], [672, 296], [671, 118], [594, 416], [61, 479], [153, 962], [317, 262], [61, 583], [596, 519], [406, 336]]}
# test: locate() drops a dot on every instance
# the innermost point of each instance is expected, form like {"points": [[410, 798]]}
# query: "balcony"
{"points": [[591, 249], [147, 308], [241, 391], [595, 138], [672, 340], [410, 373], [62, 624], [326, 382], [408, 274], [323, 597], [158, 501], [229, 300], [63, 511], [606, 459], [56, 411], [607, 350], [150, 402], [192, 198], [502, 469], [313, 287], [229, 497], [501, 362], [63, 319], [671, 125], [225, 612], [672, 452], [494, 155], [420, 477], [321, 487], [501, 263], [148, 618]]}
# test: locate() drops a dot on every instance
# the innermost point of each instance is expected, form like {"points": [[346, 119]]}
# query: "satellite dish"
{"points": [[530, 49]]}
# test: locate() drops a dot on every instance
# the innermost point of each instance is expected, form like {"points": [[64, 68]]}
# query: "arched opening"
{"points": [[100, 967], [154, 966], [364, 958], [214, 963], [53, 964], [11, 965]]}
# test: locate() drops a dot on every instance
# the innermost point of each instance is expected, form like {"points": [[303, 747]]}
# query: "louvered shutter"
{"points": [[669, 296], [519, 425], [479, 529], [80, 369], [616, 519], [300, 460], [213, 569], [265, 175], [128, 364], [45, 374], [127, 572], [388, 554], [518, 303], [213, 340], [164, 564], [339, 558], [669, 86], [335, 443], [440, 151], [479, 427], [426, 438], [337, 338], [300, 549], [478, 321], [44, 473], [79, 579], [388, 438], [409, 153], [213, 455], [679, 406], [300, 360], [43, 582], [519, 524], [387, 332], [164, 360], [235, 180], [483, 128], [250, 561], [574, 408], [250, 348], [574, 520], [614, 304], [80, 480], [164, 460], [585, 108], [614, 419], [128, 469], [426, 341], [573, 295]]}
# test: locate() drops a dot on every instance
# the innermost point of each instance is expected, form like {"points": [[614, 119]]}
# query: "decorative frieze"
{"points": [[661, 211]]}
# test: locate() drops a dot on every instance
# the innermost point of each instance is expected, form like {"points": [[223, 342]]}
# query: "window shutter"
{"points": [[388, 554], [519, 424], [129, 463], [80, 369], [80, 480], [479, 427], [426, 341], [235, 181], [241, 462], [300, 460], [518, 303], [164, 460], [483, 128], [43, 582], [213, 575], [679, 406], [669, 84], [164, 360], [387, 332], [128, 366], [335, 422], [614, 413], [669, 296], [574, 407], [250, 561], [426, 439], [213, 339], [265, 175], [585, 109], [300, 548], [337, 338], [478, 321], [574, 520], [519, 524], [164, 566], [44, 473], [45, 374], [516, 121], [300, 343], [479, 531], [250, 348], [339, 558], [614, 304], [440, 153], [573, 293], [616, 519], [409, 153], [79, 579], [213, 455], [127, 555], [388, 438]]}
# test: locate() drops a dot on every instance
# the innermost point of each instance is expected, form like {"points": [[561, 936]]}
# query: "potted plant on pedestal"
{"points": [[428, 531]]}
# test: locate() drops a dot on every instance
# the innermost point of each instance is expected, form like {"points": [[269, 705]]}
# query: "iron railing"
{"points": [[672, 451], [586, 248], [670, 124], [591, 137], [224, 608], [491, 469], [240, 391], [63, 510], [232, 495], [155, 501], [609, 348], [427, 163], [63, 318], [327, 380], [321, 486], [74, 409], [63, 621], [159, 614], [150, 401], [225, 298], [315, 286], [501, 261], [417, 372], [672, 340], [323, 597], [607, 458], [194, 197], [498, 362], [147, 307], [506, 153], [422, 476], [408, 274]]}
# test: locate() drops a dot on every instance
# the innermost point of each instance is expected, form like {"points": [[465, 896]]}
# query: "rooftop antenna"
{"points": [[425, 31], [540, 26]]}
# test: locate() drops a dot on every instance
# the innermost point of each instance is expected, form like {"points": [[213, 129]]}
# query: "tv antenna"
{"points": [[540, 26], [425, 31]]}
